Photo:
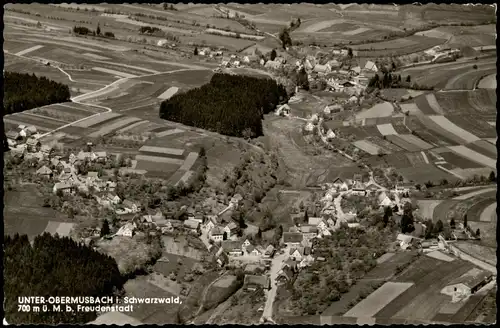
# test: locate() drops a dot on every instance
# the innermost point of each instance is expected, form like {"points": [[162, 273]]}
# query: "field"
{"points": [[488, 82], [425, 173], [427, 128], [385, 145], [474, 156], [368, 147], [480, 103], [476, 126], [386, 129], [400, 142], [110, 128], [24, 214], [459, 161], [379, 110], [446, 124]]}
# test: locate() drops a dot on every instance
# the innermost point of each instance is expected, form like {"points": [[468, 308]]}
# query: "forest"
{"points": [[54, 266], [232, 105], [26, 91]]}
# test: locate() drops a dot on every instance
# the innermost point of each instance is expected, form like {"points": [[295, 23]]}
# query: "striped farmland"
{"points": [[168, 132], [474, 156], [368, 147], [451, 127], [484, 147], [157, 159], [132, 126], [433, 103], [97, 119], [416, 141], [162, 150], [386, 129], [189, 162], [113, 127], [395, 139]]}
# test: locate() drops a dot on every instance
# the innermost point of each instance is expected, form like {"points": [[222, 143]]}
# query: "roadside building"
{"points": [[192, 225], [269, 252], [33, 144], [62, 186], [232, 248], [130, 206], [254, 282], [44, 171], [230, 229], [127, 230], [467, 284], [292, 239], [284, 276], [217, 234]]}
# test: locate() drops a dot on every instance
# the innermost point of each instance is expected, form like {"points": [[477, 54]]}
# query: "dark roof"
{"points": [[286, 273], [292, 237], [472, 281], [251, 279], [230, 245]]}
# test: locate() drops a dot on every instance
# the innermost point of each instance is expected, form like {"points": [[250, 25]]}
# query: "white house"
{"points": [[308, 65], [322, 69], [127, 230], [370, 66], [309, 127], [330, 134], [384, 200], [283, 110], [217, 234]]}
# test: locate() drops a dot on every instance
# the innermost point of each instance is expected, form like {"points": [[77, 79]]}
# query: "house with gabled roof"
{"points": [[384, 200], [217, 234], [192, 225], [358, 189], [371, 188], [340, 184], [232, 248], [33, 144], [130, 206], [62, 186], [254, 282], [371, 66], [292, 239], [44, 171], [285, 275], [13, 135]]}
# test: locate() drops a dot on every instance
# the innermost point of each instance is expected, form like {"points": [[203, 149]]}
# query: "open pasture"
{"points": [[459, 161], [444, 136], [379, 110], [417, 159], [412, 139], [397, 47], [401, 143], [470, 80], [426, 207], [473, 124], [377, 300], [368, 147], [385, 145], [113, 126], [98, 119], [479, 103], [488, 82], [482, 211], [425, 173], [424, 105], [485, 148], [474, 156], [446, 124], [59, 112], [184, 80], [27, 119], [386, 129], [397, 160]]}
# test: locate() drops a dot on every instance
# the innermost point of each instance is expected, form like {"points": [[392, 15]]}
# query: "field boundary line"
{"points": [[451, 172], [425, 157]]}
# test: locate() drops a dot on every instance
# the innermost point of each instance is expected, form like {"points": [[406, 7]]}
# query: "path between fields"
{"points": [[205, 294], [276, 265], [475, 193]]}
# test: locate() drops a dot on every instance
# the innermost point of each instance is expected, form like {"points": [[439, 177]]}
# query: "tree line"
{"points": [[232, 105], [26, 91], [55, 266]]}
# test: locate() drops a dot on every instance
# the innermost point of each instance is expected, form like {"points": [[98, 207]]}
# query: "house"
{"points": [[18, 150], [230, 229], [192, 225], [83, 156], [330, 134], [101, 156], [406, 241], [62, 186], [296, 253], [309, 127], [236, 199], [292, 239], [92, 175], [33, 144], [283, 110], [318, 222], [236, 63], [308, 65], [353, 99], [467, 284], [384, 200], [361, 79], [371, 188], [111, 185], [285, 275], [322, 69], [246, 243], [57, 164], [290, 263], [113, 198], [253, 268], [370, 66], [262, 61], [127, 230], [253, 251], [340, 184], [309, 231], [359, 189], [269, 251], [44, 171], [130, 206], [216, 234], [232, 248], [334, 64], [271, 64], [13, 135], [254, 282], [353, 225]]}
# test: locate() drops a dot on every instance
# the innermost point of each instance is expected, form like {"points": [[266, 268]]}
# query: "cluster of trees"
{"points": [[55, 266], [149, 30], [167, 6], [232, 105], [284, 36], [389, 80], [26, 91], [349, 256]]}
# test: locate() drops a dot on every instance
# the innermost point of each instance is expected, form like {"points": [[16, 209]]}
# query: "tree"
{"points": [[302, 79], [393, 66], [429, 230], [196, 51], [465, 221], [273, 54], [350, 53], [306, 217], [98, 30], [407, 224], [285, 39], [492, 177], [395, 209], [105, 228], [452, 223], [408, 79], [478, 233]]}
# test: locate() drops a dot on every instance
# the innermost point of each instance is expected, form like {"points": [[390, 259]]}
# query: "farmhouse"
{"points": [[192, 225], [130, 206], [217, 234], [64, 187], [359, 189], [253, 282], [309, 232], [269, 251], [33, 145], [230, 229], [467, 284], [384, 200], [127, 230], [44, 171], [232, 248], [292, 239], [370, 66], [253, 251]]}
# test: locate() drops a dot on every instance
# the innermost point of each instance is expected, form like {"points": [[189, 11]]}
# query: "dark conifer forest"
{"points": [[232, 105], [54, 266], [26, 91]]}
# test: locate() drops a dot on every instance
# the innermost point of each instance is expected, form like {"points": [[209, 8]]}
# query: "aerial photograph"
{"points": [[231, 163]]}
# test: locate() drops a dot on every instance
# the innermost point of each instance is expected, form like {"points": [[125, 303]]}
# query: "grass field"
{"points": [[459, 161], [99, 119], [410, 138], [115, 125], [379, 110], [474, 156], [385, 145], [440, 132], [480, 102], [424, 173], [368, 147], [484, 147], [473, 124], [400, 142]]}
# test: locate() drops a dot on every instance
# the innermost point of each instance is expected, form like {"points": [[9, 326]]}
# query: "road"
{"points": [[473, 260], [276, 264]]}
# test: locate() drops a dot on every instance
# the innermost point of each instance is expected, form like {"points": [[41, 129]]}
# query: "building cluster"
{"points": [[22, 139], [443, 54]]}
